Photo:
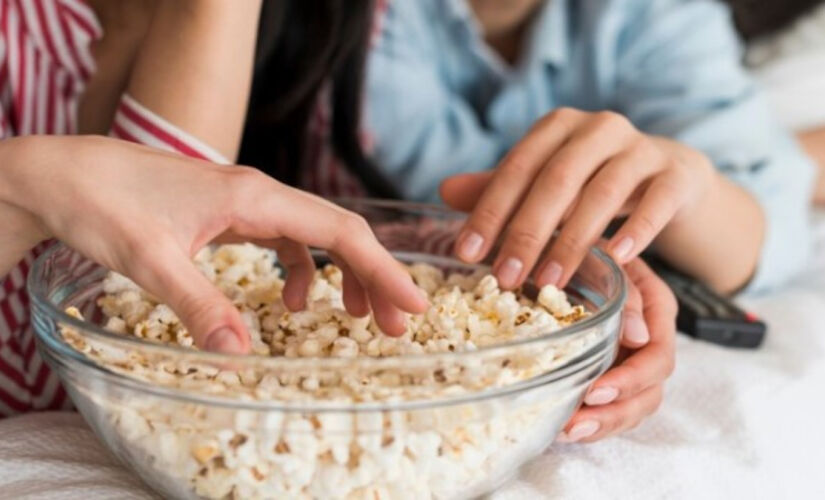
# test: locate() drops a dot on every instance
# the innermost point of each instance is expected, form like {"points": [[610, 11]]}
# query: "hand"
{"points": [[145, 213], [632, 390], [576, 170]]}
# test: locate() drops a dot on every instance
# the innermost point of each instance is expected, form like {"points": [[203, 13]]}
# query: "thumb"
{"points": [[211, 318], [461, 192]]}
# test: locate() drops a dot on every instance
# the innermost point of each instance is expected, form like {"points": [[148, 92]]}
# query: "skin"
{"points": [[187, 204], [135, 188], [189, 62], [577, 171], [814, 142], [632, 389]]}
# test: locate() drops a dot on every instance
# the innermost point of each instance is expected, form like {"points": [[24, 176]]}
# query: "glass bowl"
{"points": [[447, 425]]}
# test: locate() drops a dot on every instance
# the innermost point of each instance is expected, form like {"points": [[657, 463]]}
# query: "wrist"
{"points": [[21, 229]]}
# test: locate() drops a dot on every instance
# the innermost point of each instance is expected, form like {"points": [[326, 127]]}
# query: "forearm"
{"points": [[19, 231], [194, 68], [814, 143], [719, 240]]}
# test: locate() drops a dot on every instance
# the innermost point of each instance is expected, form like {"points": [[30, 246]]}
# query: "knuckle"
{"points": [[525, 240], [563, 114], [645, 224], [569, 242], [486, 218], [351, 227], [612, 120], [518, 165], [244, 183], [606, 189], [564, 179]]}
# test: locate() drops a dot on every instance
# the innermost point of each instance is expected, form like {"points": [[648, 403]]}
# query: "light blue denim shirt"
{"points": [[440, 102]]}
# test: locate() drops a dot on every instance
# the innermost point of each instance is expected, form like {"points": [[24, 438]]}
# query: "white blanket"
{"points": [[735, 424]]}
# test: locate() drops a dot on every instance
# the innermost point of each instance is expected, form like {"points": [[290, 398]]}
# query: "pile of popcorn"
{"points": [[448, 450]]}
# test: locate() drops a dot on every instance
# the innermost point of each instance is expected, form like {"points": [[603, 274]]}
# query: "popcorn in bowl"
{"points": [[420, 420]]}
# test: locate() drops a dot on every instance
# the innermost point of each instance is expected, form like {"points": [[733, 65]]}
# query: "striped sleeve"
{"points": [[136, 123]]}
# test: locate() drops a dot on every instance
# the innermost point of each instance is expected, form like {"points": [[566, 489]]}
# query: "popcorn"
{"points": [[435, 451]]}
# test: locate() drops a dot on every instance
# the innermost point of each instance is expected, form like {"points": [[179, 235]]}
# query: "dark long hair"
{"points": [[755, 18], [304, 45]]}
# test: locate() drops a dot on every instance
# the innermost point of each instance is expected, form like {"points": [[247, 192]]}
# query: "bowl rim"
{"points": [[39, 300]]}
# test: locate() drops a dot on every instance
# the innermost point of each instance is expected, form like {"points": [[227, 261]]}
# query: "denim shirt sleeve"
{"points": [[679, 76], [422, 134]]}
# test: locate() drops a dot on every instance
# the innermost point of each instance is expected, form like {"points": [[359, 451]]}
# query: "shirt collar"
{"points": [[549, 41]]}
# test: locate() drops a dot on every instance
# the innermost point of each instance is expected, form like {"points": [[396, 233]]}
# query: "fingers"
{"points": [[591, 424], [634, 329], [390, 319], [461, 192], [355, 297], [554, 190], [212, 320], [270, 211], [632, 390], [600, 201], [300, 272], [658, 206], [511, 181]]}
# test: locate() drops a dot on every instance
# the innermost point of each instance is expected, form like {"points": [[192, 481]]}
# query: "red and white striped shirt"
{"points": [[45, 64]]}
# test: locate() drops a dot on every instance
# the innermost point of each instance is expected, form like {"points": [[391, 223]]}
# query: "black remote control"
{"points": [[707, 315]]}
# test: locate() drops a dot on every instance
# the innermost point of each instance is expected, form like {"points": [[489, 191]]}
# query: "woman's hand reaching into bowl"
{"points": [[144, 213]]}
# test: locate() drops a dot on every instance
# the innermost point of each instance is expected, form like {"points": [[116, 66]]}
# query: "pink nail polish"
{"points": [[470, 245], [583, 430], [551, 274], [509, 272], [601, 396], [635, 329], [621, 251]]}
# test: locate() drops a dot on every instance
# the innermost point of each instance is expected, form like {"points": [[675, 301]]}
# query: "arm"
{"points": [[194, 68], [682, 79], [814, 143], [441, 135]]}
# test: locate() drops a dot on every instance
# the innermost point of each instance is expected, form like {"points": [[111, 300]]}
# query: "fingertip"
{"points": [[390, 320], [622, 249], [635, 332], [227, 341]]}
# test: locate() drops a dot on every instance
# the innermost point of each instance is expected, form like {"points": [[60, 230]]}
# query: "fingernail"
{"points": [[551, 274], [635, 330], [622, 249], [509, 272], [225, 341], [470, 246], [580, 431], [601, 396]]}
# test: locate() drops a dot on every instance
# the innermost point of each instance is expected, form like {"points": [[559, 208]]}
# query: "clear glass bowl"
{"points": [[437, 426]]}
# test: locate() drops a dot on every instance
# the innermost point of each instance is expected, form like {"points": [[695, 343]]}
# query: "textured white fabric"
{"points": [[47, 456], [735, 424], [791, 68]]}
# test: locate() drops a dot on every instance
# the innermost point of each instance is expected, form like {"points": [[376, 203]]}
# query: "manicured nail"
{"points": [[224, 340], [470, 246], [580, 431], [601, 396], [621, 250], [635, 330], [551, 274], [509, 272]]}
